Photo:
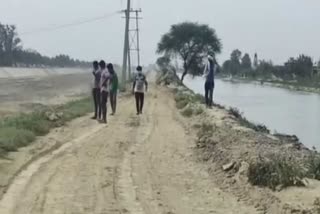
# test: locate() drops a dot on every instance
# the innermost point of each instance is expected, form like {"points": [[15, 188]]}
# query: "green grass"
{"points": [[187, 112], [276, 172], [313, 165], [21, 130]]}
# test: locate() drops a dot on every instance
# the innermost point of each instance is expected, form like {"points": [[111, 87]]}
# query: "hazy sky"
{"points": [[276, 29]]}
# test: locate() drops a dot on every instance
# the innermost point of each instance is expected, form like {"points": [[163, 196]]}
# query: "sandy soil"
{"points": [[23, 94], [145, 164], [133, 165]]}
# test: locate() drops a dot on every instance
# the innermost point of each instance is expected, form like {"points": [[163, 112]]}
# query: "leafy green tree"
{"points": [[300, 67], [9, 44], [246, 62], [233, 65], [236, 57], [191, 42], [163, 62], [11, 52]]}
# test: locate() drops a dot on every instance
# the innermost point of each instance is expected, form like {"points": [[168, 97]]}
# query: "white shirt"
{"points": [[105, 80], [140, 80]]}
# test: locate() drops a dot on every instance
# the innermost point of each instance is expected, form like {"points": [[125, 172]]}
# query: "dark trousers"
{"points": [[96, 100], [209, 86], [139, 101], [113, 101], [104, 101]]}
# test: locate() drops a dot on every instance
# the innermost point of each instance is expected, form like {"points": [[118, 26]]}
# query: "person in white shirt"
{"points": [[104, 89], [140, 85]]}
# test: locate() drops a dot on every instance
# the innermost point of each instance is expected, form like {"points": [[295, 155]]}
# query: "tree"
{"points": [[246, 62], [301, 66], [9, 44], [191, 42], [236, 56], [163, 62], [233, 65]]}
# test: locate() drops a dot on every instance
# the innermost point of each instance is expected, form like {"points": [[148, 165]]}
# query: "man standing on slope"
{"points": [[96, 90], [140, 85], [114, 83], [105, 87], [209, 84]]}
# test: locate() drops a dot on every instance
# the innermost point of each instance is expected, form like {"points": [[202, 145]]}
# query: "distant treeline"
{"points": [[299, 68], [13, 54]]}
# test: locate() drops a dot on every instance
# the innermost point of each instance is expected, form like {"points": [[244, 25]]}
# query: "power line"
{"points": [[72, 24]]}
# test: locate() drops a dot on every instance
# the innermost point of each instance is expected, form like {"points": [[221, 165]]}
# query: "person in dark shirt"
{"points": [[114, 85], [209, 83], [96, 90]]}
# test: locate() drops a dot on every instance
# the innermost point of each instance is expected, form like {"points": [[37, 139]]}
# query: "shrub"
{"points": [[12, 138], [187, 112], [21, 130], [35, 122], [198, 111], [313, 164], [275, 172]]}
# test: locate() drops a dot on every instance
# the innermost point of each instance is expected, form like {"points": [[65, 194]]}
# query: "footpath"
{"points": [[150, 164]]}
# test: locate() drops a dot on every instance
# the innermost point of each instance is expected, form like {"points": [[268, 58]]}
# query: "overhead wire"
{"points": [[72, 24]]}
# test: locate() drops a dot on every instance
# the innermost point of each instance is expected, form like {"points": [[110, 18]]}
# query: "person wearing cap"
{"points": [[209, 83], [140, 85], [105, 87], [114, 85]]}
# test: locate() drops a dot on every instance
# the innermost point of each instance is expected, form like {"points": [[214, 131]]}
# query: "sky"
{"points": [[275, 29]]}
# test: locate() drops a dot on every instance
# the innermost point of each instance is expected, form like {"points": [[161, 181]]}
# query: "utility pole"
{"points": [[134, 35], [138, 34], [129, 64], [126, 43]]}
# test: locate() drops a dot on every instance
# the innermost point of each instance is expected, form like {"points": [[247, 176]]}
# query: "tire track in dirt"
{"points": [[8, 201], [135, 165]]}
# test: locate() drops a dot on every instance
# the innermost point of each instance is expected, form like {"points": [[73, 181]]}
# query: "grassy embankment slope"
{"points": [[272, 172]]}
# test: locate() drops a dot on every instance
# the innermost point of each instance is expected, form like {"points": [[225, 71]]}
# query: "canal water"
{"points": [[281, 110]]}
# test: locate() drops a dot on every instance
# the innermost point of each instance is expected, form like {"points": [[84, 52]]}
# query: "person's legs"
{"points": [[99, 101], [95, 101], [112, 101], [141, 102], [104, 100], [115, 97], [137, 102], [211, 94], [206, 88]]}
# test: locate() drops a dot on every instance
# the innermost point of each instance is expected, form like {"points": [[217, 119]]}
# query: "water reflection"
{"points": [[282, 110]]}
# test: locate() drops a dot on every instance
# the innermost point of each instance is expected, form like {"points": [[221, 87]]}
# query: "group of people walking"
{"points": [[106, 86]]}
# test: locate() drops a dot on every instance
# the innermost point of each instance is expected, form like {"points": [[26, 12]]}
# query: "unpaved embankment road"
{"points": [[20, 94], [138, 165]]}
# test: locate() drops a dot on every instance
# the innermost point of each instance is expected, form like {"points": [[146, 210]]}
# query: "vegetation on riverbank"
{"points": [[275, 171], [299, 73], [19, 131]]}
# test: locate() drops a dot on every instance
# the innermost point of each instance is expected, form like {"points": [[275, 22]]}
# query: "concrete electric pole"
{"points": [[126, 43], [132, 35]]}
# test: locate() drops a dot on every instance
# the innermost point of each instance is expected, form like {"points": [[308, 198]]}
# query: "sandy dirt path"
{"points": [[138, 165]]}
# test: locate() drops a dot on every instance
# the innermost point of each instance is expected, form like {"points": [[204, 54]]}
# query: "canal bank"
{"points": [[281, 110], [270, 173]]}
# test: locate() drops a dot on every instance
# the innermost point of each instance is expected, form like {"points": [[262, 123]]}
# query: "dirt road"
{"points": [[138, 165]]}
